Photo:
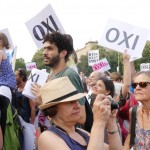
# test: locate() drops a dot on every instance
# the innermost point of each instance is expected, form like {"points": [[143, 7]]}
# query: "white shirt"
{"points": [[5, 91]]}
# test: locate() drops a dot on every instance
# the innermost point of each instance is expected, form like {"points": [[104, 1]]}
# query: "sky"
{"points": [[84, 20]]}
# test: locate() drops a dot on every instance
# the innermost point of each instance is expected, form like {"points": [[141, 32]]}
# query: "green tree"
{"points": [[112, 57], [83, 65], [20, 63], [38, 58], [145, 56]]}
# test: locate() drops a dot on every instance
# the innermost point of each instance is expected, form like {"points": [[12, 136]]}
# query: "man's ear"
{"points": [[63, 54]]}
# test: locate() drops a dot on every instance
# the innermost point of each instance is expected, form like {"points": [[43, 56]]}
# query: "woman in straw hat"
{"points": [[60, 103]]}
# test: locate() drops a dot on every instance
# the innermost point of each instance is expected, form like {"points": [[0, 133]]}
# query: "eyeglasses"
{"points": [[141, 84]]}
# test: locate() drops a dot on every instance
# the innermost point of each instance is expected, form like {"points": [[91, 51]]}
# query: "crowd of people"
{"points": [[105, 111]]}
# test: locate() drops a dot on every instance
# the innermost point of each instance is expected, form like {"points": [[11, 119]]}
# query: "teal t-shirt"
{"points": [[75, 79]]}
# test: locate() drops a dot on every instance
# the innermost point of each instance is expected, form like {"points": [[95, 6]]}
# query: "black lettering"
{"points": [[35, 33], [125, 39], [135, 42], [117, 35]]}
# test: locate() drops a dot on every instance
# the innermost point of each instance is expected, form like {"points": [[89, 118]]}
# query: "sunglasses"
{"points": [[141, 84]]}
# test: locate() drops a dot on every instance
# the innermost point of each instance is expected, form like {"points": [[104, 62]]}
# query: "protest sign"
{"points": [[120, 36], [38, 76], [101, 66], [30, 66], [44, 22], [145, 67], [93, 57]]}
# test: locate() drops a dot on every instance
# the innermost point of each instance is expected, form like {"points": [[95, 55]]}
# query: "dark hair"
{"points": [[109, 85], [62, 41], [4, 40], [51, 111], [75, 57], [23, 74]]}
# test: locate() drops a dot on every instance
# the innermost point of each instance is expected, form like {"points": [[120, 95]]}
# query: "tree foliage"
{"points": [[114, 58], [20, 63], [38, 58]]}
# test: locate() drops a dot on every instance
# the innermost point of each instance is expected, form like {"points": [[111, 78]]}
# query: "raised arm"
{"points": [[101, 111], [126, 74]]}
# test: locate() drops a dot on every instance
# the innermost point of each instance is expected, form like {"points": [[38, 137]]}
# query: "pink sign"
{"points": [[102, 65]]}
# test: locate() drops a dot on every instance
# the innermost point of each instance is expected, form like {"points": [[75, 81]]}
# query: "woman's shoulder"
{"points": [[3, 55], [50, 140]]}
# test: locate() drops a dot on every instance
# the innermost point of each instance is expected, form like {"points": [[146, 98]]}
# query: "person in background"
{"points": [[57, 50], [94, 76], [117, 79], [73, 59], [7, 77], [64, 109], [104, 86], [141, 86], [24, 105], [7, 85], [82, 76]]}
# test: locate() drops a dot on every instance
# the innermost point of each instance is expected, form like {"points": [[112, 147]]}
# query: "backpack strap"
{"points": [[133, 123]]}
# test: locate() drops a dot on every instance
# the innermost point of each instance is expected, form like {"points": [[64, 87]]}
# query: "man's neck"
{"points": [[60, 67]]}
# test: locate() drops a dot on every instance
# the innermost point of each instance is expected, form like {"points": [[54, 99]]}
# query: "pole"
{"points": [[118, 63]]}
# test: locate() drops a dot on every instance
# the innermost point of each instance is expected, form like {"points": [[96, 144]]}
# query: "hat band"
{"points": [[65, 96]]}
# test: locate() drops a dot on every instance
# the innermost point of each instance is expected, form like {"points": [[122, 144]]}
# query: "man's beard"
{"points": [[53, 61]]}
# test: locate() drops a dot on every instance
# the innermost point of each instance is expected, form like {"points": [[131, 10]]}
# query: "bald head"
{"points": [[94, 76]]}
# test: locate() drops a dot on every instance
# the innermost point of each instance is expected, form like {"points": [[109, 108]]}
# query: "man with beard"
{"points": [[57, 50]]}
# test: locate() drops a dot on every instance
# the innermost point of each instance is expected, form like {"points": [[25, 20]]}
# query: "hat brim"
{"points": [[72, 98]]}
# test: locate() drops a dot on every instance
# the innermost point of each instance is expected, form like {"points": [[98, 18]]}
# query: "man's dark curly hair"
{"points": [[61, 41]]}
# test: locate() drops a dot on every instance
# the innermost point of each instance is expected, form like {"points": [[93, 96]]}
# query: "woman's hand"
{"points": [[126, 56], [101, 108]]}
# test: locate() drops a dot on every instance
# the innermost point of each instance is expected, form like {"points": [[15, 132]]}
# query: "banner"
{"points": [[93, 57], [145, 67], [120, 36], [44, 22], [38, 76], [101, 66], [30, 66]]}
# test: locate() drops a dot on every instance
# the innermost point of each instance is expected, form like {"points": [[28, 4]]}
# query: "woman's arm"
{"points": [[127, 143], [32, 107], [101, 112], [126, 74], [114, 138]]}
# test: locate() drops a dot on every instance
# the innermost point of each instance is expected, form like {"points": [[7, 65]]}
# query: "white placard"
{"points": [[145, 67], [6, 32], [38, 76], [93, 57], [43, 22], [102, 65], [120, 36], [30, 66]]}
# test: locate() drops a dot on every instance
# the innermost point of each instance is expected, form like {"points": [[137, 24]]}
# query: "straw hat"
{"points": [[58, 91]]}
